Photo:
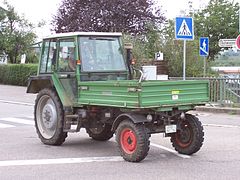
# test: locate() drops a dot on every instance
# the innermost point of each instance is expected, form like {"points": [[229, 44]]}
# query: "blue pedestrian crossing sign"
{"points": [[184, 28], [204, 46]]}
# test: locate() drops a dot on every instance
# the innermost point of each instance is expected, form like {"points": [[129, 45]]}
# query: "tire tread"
{"points": [[59, 136], [143, 142], [198, 137]]}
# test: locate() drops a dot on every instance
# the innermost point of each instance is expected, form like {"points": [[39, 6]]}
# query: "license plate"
{"points": [[171, 128]]}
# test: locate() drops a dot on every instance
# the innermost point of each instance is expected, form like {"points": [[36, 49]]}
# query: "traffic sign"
{"points": [[204, 46], [184, 28], [159, 56], [227, 43], [238, 42]]}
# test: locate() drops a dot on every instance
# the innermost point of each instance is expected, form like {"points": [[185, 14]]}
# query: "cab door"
{"points": [[48, 57], [66, 66]]}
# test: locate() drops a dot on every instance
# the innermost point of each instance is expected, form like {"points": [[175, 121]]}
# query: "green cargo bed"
{"points": [[147, 94]]}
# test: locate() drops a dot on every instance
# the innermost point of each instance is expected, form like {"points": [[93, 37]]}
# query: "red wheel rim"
{"points": [[184, 137], [128, 141]]}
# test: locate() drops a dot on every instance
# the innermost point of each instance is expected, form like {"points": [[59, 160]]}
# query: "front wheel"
{"points": [[49, 117], [133, 141], [189, 137]]}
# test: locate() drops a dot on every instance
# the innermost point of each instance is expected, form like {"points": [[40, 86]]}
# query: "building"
{"points": [[227, 70]]}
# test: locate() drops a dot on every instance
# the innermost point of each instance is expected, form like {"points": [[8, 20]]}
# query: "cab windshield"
{"points": [[101, 54]]}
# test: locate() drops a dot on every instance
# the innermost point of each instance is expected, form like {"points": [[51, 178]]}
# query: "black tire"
{"points": [[190, 138], [133, 141], [49, 117], [102, 133]]}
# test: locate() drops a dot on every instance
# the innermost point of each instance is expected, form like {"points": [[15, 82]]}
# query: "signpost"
{"points": [[184, 31], [184, 28], [159, 56], [227, 43], [204, 50]]}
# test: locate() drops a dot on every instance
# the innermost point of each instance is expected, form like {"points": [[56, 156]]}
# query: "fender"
{"points": [[37, 83], [135, 118]]}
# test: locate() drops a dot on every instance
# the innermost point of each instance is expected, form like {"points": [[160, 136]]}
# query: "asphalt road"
{"points": [[23, 156]]}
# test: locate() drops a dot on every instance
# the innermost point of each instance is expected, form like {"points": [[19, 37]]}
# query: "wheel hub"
{"points": [[49, 116], [128, 141], [184, 137]]}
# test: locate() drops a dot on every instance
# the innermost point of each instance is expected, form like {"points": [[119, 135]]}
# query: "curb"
{"points": [[227, 110]]}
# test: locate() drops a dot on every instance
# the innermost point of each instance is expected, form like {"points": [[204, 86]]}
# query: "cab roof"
{"points": [[69, 34]]}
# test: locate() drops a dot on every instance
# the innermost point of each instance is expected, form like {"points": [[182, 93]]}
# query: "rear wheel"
{"points": [[133, 141], [49, 117], [189, 137], [101, 133]]}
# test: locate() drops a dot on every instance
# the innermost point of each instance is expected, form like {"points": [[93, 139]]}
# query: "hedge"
{"points": [[17, 74]]}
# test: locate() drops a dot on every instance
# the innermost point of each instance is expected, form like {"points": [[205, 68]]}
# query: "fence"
{"points": [[223, 91]]}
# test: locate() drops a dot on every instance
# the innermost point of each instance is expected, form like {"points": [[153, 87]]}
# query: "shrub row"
{"points": [[17, 74]]}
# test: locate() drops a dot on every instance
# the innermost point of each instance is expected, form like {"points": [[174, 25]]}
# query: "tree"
{"points": [[173, 53], [145, 46], [129, 16], [16, 33], [219, 20]]}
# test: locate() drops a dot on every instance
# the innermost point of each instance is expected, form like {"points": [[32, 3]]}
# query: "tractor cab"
{"points": [[90, 56]]}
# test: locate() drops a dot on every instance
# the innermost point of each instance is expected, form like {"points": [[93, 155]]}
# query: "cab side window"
{"points": [[44, 57], [66, 56], [48, 58]]}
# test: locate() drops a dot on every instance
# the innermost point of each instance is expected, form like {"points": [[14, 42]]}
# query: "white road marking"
{"points": [[171, 151], [59, 161], [18, 120], [219, 125], [5, 125], [30, 117], [18, 103]]}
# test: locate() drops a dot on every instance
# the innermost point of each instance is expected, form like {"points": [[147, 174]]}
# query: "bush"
{"points": [[17, 74]]}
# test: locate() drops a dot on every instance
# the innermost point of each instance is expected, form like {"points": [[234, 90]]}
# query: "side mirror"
{"points": [[129, 47]]}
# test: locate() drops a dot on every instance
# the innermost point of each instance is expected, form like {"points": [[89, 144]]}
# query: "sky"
{"points": [[38, 10]]}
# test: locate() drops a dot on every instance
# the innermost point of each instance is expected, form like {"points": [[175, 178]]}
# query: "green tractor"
{"points": [[85, 80]]}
